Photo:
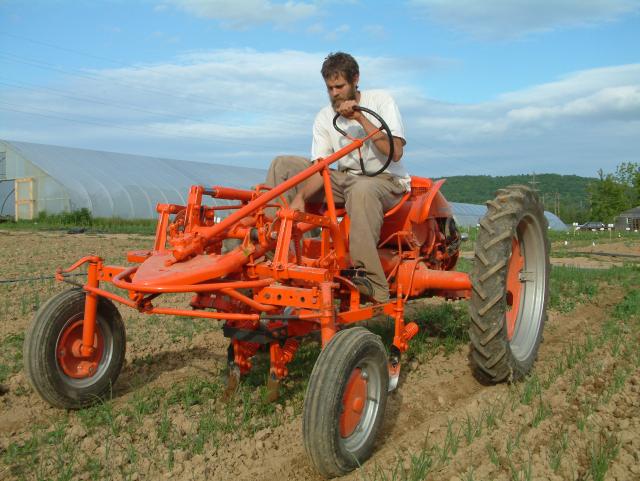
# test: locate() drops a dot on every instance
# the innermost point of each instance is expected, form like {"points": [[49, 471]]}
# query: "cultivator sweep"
{"points": [[275, 276]]}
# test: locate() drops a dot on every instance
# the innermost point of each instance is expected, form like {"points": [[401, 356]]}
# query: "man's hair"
{"points": [[340, 63]]}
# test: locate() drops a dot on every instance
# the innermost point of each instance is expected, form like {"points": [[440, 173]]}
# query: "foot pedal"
{"points": [[233, 383], [273, 388]]}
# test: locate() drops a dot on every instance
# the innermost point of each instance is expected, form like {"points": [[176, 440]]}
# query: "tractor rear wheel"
{"points": [[510, 281], [63, 378], [345, 401]]}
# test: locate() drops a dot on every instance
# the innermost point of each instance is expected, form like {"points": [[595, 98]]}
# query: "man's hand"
{"points": [[381, 141], [346, 110]]}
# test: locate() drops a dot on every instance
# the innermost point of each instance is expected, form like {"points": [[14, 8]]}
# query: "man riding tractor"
{"points": [[358, 183]]}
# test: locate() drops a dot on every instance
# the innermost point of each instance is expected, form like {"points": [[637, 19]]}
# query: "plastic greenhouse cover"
{"points": [[468, 215], [129, 186]]}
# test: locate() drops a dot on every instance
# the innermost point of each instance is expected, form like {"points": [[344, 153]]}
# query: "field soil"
{"points": [[583, 402]]}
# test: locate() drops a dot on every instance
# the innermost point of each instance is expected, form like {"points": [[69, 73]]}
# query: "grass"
{"points": [[442, 327], [558, 447], [120, 424], [601, 452], [570, 286], [179, 327], [82, 219], [10, 355], [574, 357], [452, 439], [531, 389], [587, 237]]}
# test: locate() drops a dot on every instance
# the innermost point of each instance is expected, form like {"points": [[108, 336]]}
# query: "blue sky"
{"points": [[485, 87]]}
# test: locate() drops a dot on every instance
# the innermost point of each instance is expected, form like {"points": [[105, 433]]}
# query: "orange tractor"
{"points": [[289, 277]]}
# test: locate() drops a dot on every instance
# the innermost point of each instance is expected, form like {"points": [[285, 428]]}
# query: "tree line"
{"points": [[573, 198], [614, 193]]}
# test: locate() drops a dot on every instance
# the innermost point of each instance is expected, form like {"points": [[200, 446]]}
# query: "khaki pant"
{"points": [[366, 200]]}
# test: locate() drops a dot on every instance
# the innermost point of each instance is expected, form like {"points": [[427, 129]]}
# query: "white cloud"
{"points": [[495, 19], [584, 121], [377, 32], [609, 103], [331, 35], [337, 32], [250, 105], [242, 14], [166, 38]]}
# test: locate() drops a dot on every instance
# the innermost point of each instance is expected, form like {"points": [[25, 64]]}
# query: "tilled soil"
{"points": [[583, 400]]}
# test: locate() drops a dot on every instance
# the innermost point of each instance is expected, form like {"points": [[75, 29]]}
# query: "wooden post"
{"points": [[29, 201]]}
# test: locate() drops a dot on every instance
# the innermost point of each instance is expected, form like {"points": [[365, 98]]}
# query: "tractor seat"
{"points": [[419, 186]]}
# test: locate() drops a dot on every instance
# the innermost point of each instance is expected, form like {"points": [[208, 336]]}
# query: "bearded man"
{"points": [[366, 198]]}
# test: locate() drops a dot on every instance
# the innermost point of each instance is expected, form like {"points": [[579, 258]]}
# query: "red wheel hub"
{"points": [[353, 403], [514, 286], [70, 359]]}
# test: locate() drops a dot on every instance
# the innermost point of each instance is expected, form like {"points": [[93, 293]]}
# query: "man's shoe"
{"points": [[364, 286], [367, 292]]}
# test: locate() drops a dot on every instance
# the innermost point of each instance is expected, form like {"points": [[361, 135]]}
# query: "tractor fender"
{"points": [[432, 205]]}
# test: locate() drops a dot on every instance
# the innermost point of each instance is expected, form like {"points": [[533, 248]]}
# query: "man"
{"points": [[366, 198]]}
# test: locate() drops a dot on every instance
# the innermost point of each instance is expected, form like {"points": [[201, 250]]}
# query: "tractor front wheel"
{"points": [[510, 279], [53, 365], [345, 401]]}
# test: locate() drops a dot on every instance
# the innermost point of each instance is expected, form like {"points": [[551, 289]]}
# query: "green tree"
{"points": [[628, 174], [608, 197]]}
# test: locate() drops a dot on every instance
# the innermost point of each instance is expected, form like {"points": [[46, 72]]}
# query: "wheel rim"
{"points": [[526, 287], [353, 402], [78, 371], [360, 404], [514, 286]]}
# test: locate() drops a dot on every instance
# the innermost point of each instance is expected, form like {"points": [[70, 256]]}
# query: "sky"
{"points": [[492, 87]]}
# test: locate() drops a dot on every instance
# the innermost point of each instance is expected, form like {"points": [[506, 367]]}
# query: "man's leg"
{"points": [[281, 169], [367, 199]]}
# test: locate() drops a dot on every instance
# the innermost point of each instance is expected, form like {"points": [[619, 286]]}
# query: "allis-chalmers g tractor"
{"points": [[288, 278]]}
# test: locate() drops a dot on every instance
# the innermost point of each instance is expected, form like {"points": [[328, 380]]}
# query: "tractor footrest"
{"points": [[351, 273]]}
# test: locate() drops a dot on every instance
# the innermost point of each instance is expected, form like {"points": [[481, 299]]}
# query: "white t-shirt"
{"points": [[327, 140]]}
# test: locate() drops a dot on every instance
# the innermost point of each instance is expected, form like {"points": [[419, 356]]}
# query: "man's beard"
{"points": [[351, 95]]}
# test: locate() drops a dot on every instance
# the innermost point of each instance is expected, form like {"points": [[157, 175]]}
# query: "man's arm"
{"points": [[380, 140]]}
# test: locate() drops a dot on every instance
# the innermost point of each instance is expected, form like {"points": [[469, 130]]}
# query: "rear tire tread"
{"points": [[490, 350]]}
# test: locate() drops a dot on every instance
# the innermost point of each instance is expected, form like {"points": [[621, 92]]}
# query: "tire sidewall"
{"points": [[370, 350], [323, 400], [43, 369]]}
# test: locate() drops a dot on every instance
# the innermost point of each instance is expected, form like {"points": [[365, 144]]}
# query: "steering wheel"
{"points": [[384, 126]]}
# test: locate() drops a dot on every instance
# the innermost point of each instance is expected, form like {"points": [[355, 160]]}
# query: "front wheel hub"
{"points": [[353, 402], [69, 355]]}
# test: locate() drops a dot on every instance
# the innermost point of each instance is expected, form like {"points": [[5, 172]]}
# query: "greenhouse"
{"points": [[37, 177], [469, 215]]}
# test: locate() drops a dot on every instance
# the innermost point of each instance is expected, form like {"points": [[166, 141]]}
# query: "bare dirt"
{"points": [[441, 416]]}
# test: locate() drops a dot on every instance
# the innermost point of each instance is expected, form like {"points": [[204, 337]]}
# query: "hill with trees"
{"points": [[570, 197], [565, 195]]}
